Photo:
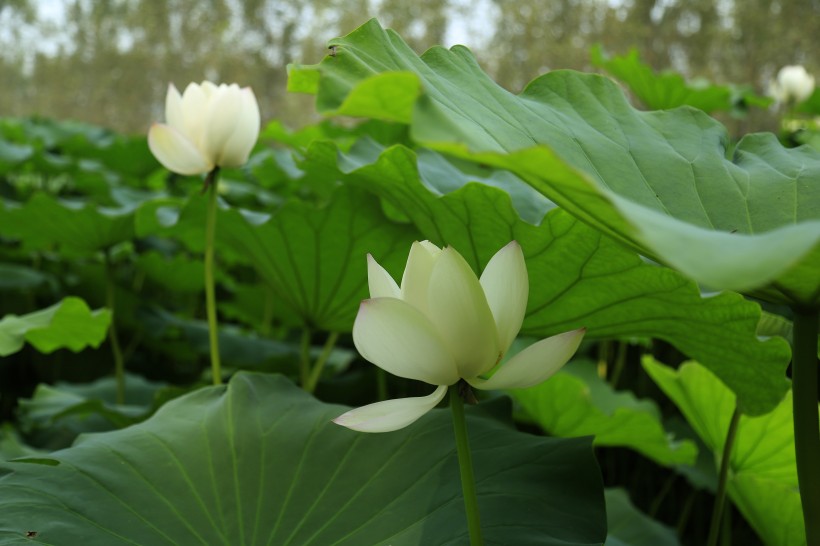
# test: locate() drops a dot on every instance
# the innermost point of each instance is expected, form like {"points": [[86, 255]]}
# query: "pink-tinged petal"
{"points": [[380, 282], [238, 147], [458, 309], [391, 414], [416, 279], [173, 110], [175, 152], [224, 110], [398, 338], [534, 364], [506, 286]]}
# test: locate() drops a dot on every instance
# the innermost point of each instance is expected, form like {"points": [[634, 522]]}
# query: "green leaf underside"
{"points": [[659, 181], [579, 277], [68, 324], [763, 475], [313, 259], [576, 402], [261, 463]]}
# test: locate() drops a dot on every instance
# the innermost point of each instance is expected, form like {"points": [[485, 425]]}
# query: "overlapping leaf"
{"points": [[763, 474], [261, 463], [577, 276], [67, 324], [313, 258], [576, 402], [659, 181]]}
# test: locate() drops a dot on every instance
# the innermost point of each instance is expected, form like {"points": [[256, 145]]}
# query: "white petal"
{"points": [[534, 364], [416, 279], [238, 147], [398, 338], [458, 309], [176, 152], [391, 414], [194, 110], [506, 285], [380, 282], [222, 116], [173, 110]]}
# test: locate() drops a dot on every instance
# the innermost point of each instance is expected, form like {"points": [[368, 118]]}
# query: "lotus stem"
{"points": [[806, 421], [720, 495], [210, 294], [113, 337], [319, 365], [465, 465]]}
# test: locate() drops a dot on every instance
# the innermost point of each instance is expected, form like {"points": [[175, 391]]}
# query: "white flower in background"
{"points": [[443, 324], [207, 126], [793, 84]]}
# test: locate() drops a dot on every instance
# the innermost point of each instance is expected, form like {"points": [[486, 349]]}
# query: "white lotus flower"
{"points": [[207, 126], [793, 84], [443, 325]]}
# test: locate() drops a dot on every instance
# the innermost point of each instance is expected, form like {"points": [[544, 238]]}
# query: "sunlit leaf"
{"points": [[260, 462], [763, 474], [659, 181], [576, 402], [68, 324]]}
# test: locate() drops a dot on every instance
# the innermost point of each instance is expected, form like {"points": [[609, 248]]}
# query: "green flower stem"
{"points": [[720, 496], [316, 372], [113, 337], [210, 294], [465, 465], [304, 361], [806, 421]]}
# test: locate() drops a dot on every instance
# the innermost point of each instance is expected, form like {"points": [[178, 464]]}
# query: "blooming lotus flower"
{"points": [[207, 126], [793, 84], [444, 325]]}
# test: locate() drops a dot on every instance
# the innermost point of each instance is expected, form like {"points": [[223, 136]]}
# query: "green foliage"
{"points": [[578, 278], [67, 324], [762, 476], [259, 462], [668, 89], [576, 402], [658, 181]]}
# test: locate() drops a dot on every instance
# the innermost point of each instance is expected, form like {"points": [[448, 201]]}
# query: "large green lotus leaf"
{"points": [[74, 227], [763, 473], [260, 462], [659, 181], [576, 402], [577, 276], [67, 324], [313, 258], [628, 526]]}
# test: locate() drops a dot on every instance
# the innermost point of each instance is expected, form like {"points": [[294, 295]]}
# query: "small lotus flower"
{"points": [[444, 325], [793, 84], [207, 126]]}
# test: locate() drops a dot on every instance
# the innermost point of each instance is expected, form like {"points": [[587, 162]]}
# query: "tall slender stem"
{"points": [[720, 496], [806, 421], [304, 360], [465, 465], [319, 365], [210, 294], [113, 337]]}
